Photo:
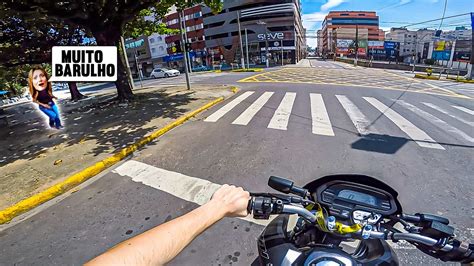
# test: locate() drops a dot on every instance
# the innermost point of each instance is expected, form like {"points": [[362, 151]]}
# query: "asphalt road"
{"points": [[418, 140]]}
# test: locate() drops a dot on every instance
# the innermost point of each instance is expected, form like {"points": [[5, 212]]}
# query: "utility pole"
{"points": [[247, 48], [183, 50], [281, 52], [242, 61], [186, 54], [124, 49], [471, 70], [356, 45]]}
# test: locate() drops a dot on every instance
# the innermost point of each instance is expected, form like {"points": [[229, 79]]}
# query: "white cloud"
{"points": [[400, 3], [330, 4], [310, 20]]}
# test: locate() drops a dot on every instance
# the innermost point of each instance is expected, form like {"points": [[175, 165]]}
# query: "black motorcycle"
{"points": [[344, 208]]}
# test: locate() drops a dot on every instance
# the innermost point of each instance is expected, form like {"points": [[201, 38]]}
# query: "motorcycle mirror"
{"points": [[286, 186]]}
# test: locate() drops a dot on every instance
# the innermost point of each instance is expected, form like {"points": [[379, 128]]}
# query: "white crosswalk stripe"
{"points": [[448, 113], [418, 135], [226, 108], [321, 122], [436, 121], [361, 123], [282, 114], [320, 118], [253, 109], [464, 109]]}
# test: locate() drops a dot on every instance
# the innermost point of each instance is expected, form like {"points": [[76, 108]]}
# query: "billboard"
{"points": [[376, 44], [462, 51], [344, 43], [442, 49]]}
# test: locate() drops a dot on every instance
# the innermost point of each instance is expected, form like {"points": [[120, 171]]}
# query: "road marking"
{"points": [[253, 109], [436, 121], [469, 111], [448, 113], [418, 135], [282, 113], [191, 189], [226, 108], [185, 187], [319, 115], [359, 120]]}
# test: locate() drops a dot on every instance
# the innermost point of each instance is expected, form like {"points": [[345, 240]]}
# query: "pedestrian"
{"points": [[41, 93]]}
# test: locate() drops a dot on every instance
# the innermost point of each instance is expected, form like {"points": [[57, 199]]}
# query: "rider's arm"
{"points": [[162, 243]]}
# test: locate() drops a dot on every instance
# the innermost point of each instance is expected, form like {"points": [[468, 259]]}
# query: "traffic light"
{"points": [[188, 47]]}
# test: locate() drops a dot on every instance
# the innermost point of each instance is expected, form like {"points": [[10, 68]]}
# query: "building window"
{"points": [[159, 39], [153, 50], [152, 40], [161, 48], [199, 26]]}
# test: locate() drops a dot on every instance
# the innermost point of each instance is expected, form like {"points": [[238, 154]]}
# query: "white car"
{"points": [[163, 73]]}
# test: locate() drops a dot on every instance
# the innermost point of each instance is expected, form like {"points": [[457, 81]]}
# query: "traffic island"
{"points": [[39, 163]]}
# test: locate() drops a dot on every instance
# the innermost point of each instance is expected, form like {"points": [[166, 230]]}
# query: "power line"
{"points": [[423, 22], [444, 12]]}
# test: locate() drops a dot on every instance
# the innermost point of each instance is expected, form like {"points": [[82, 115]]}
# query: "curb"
{"points": [[6, 215]]}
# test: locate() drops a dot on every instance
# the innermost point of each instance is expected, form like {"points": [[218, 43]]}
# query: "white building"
{"points": [[411, 42], [157, 46]]}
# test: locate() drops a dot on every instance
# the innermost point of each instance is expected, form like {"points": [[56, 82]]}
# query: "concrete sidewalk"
{"points": [[33, 156]]}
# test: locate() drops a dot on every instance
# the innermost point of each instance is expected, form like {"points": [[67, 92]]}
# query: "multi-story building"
{"points": [[274, 30], [347, 26], [193, 22], [319, 38]]}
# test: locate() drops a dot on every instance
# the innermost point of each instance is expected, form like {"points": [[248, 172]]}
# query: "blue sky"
{"points": [[392, 13]]}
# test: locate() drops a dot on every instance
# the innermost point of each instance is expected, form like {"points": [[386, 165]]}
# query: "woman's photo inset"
{"points": [[42, 93]]}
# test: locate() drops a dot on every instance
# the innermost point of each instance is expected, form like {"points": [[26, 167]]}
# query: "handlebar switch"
{"points": [[262, 207], [437, 230]]}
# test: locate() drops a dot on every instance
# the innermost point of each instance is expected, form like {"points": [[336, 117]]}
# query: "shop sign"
{"points": [[271, 36]]}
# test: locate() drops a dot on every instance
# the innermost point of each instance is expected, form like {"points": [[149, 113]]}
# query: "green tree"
{"points": [[107, 20]]}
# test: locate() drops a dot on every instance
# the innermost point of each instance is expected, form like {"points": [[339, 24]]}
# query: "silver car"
{"points": [[164, 73]]}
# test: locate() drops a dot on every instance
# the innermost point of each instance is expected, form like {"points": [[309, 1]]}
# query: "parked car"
{"points": [[164, 73]]}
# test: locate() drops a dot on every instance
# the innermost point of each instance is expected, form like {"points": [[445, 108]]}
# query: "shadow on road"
{"points": [[379, 143]]}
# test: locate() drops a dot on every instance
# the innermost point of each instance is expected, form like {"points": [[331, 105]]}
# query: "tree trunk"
{"points": [[76, 95], [111, 37]]}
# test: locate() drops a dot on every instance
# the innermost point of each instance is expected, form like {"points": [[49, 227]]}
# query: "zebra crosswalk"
{"points": [[357, 113]]}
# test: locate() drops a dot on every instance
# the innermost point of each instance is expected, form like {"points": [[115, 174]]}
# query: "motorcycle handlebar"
{"points": [[263, 207]]}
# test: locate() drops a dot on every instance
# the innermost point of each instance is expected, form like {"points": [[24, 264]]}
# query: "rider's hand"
{"points": [[231, 200]]}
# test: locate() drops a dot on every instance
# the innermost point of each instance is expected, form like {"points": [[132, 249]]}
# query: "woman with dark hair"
{"points": [[42, 93]]}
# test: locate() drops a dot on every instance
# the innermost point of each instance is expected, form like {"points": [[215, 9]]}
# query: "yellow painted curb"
{"points": [[419, 76], [25, 205]]}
